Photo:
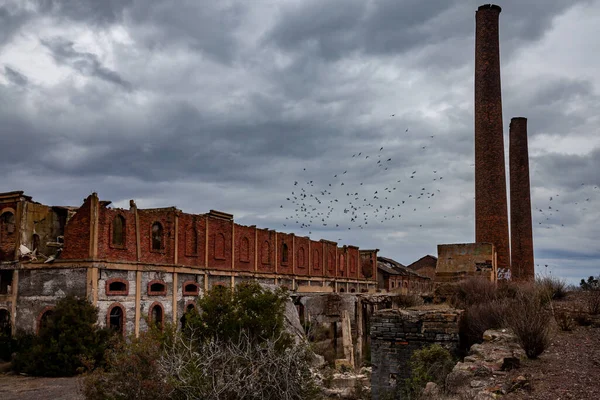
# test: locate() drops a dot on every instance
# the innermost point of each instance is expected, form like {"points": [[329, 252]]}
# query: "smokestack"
{"points": [[491, 214], [521, 231]]}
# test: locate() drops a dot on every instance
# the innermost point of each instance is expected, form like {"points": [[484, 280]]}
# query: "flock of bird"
{"points": [[346, 201]]}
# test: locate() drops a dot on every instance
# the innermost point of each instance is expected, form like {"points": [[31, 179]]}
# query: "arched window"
{"points": [[219, 246], [5, 327], [157, 288], [192, 241], [301, 259], [245, 250], [316, 260], [156, 315], [116, 318], [342, 290], [352, 264], [342, 263], [157, 237], [191, 288], [117, 287], [265, 253], [284, 253], [331, 262], [44, 318], [118, 231], [35, 241], [353, 290], [7, 222]]}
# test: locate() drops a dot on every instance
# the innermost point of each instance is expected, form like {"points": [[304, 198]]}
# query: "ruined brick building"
{"points": [[139, 265]]}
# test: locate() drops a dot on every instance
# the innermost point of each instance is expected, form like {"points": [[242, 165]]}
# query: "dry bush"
{"points": [[473, 291], [478, 318], [564, 321], [592, 301], [234, 370], [408, 300], [551, 287], [530, 321]]}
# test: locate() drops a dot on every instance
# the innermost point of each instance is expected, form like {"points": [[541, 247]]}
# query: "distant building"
{"points": [[393, 276], [425, 266]]}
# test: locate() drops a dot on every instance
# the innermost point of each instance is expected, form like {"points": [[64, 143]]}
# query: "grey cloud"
{"points": [[12, 18], [335, 29], [15, 76], [90, 11], [86, 63]]}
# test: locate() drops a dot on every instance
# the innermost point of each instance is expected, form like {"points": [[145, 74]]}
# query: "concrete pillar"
{"points": [[491, 214], [521, 229]]}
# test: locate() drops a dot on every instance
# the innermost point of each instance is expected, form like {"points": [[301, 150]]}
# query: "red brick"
{"points": [[491, 213]]}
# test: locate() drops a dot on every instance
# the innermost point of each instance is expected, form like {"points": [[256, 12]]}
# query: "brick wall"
{"points": [[396, 334], [266, 250], [8, 232], [166, 218], [245, 248], [112, 251], [282, 266], [77, 233], [219, 243], [330, 259], [302, 255], [192, 239], [316, 258]]}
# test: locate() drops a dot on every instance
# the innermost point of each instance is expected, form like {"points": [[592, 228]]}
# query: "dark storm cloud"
{"points": [[235, 101], [333, 29], [15, 76], [63, 52]]}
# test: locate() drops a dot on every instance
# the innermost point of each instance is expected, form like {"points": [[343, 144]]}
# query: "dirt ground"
{"points": [[16, 387], [568, 369]]}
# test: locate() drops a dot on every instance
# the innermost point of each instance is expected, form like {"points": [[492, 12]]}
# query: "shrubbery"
{"points": [[429, 364], [234, 348], [521, 307], [69, 341]]}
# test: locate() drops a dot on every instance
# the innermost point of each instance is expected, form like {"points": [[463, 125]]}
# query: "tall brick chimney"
{"points": [[521, 231], [491, 214]]}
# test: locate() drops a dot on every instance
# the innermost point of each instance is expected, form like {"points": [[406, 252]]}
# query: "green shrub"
{"points": [[67, 343], [249, 308], [429, 364]]}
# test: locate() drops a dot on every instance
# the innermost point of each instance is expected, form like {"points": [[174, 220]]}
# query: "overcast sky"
{"points": [[226, 104]]}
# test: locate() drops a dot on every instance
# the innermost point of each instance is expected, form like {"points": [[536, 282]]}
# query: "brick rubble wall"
{"points": [[396, 334]]}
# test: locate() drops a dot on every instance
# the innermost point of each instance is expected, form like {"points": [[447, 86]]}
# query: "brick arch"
{"points": [[157, 293], [123, 313], [188, 293], [109, 292], [118, 231], [245, 249], [162, 314], [41, 316], [316, 259]]}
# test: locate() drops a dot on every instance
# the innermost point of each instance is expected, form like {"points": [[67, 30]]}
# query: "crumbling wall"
{"points": [[396, 334], [42, 288], [459, 261]]}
